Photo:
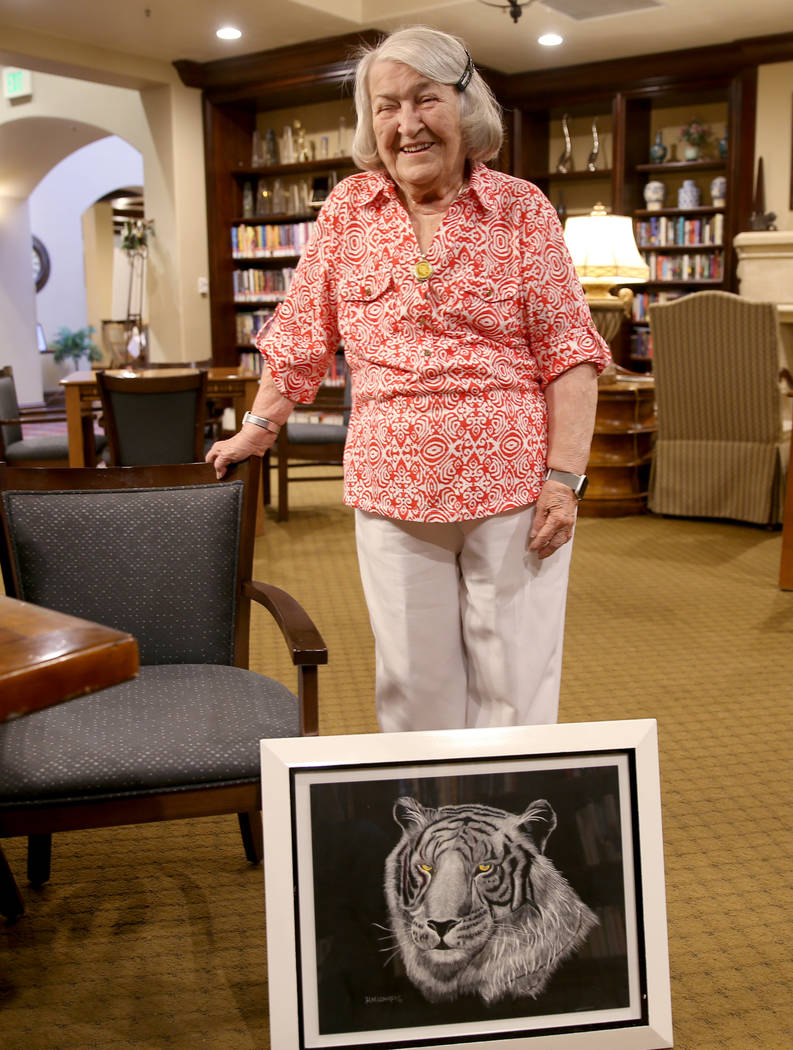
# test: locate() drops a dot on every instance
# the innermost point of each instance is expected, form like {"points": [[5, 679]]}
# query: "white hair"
{"points": [[444, 59]]}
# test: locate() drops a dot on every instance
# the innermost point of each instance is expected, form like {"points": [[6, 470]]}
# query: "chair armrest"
{"points": [[300, 633]]}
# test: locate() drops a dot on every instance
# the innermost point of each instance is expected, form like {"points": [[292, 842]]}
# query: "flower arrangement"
{"points": [[135, 235], [695, 133]]}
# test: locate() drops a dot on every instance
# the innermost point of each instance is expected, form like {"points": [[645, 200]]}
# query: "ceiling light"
{"points": [[550, 40], [515, 7], [229, 33]]}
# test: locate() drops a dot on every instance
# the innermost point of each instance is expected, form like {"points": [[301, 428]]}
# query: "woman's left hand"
{"points": [[554, 519]]}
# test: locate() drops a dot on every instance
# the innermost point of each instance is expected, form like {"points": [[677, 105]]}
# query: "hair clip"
{"points": [[468, 72]]}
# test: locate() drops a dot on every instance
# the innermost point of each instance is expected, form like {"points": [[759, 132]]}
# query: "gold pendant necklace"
{"points": [[422, 269]]}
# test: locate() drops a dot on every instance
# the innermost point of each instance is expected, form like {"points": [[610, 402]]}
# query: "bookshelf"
{"points": [[631, 99]]}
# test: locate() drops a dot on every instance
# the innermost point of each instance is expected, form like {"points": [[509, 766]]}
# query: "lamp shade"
{"points": [[603, 249]]}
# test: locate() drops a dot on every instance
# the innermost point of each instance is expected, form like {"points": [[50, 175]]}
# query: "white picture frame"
{"points": [[330, 816]]}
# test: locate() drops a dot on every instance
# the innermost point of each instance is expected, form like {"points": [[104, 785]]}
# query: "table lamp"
{"points": [[604, 252]]}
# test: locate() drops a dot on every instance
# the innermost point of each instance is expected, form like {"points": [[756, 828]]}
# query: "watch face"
{"points": [[41, 264]]}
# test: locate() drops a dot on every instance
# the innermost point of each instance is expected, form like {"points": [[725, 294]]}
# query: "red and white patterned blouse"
{"points": [[448, 417]]}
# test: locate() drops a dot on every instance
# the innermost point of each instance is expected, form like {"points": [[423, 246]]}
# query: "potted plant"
{"points": [[695, 134], [76, 347]]}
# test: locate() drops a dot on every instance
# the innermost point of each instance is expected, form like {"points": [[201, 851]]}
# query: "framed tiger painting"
{"points": [[493, 889]]}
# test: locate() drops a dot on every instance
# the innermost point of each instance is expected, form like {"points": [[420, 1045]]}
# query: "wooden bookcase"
{"points": [[628, 97]]}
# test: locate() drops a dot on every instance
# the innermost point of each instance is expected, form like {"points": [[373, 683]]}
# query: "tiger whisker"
{"points": [[393, 954]]}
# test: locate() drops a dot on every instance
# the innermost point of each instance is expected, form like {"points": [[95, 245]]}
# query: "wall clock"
{"points": [[41, 264]]}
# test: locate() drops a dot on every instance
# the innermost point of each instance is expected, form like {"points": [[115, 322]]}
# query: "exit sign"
{"points": [[17, 83]]}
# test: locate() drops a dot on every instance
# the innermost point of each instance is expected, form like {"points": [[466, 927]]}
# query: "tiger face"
{"points": [[475, 906]]}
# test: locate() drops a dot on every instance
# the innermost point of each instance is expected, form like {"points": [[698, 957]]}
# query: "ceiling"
{"points": [[593, 30]]}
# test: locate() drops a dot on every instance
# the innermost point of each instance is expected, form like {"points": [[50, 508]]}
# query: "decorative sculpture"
{"points": [[565, 163], [591, 164], [302, 153], [760, 218]]}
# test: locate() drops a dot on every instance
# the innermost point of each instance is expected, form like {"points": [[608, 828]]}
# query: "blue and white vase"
{"points": [[718, 191], [654, 194], [658, 149], [688, 195]]}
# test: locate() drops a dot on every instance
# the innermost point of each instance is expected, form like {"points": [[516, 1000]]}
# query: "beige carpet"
{"points": [[154, 936]]}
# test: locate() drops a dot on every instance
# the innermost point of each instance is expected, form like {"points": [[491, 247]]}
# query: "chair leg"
{"points": [[266, 494], [89, 444], [252, 835], [283, 481], [11, 904], [39, 857]]}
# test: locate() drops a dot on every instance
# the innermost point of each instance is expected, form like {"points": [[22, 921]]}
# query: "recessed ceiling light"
{"points": [[229, 33], [550, 40]]}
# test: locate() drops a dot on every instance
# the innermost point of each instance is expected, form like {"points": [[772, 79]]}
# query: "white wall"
{"points": [[56, 208], [164, 124], [18, 300], [774, 138]]}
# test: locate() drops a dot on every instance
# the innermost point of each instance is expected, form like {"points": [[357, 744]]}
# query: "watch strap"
{"points": [[577, 482], [261, 421]]}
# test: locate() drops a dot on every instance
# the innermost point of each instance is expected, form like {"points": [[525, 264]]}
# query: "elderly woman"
{"points": [[474, 362]]}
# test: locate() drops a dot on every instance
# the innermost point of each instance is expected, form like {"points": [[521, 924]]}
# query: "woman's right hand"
{"points": [[251, 440]]}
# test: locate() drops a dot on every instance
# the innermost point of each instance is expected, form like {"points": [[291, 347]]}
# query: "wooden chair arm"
{"points": [[298, 629], [305, 642]]}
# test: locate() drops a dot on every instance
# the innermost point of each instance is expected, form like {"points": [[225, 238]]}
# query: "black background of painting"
{"points": [[353, 831]]}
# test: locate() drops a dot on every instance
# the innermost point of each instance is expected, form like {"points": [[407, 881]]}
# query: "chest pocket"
{"points": [[490, 302], [365, 302]]}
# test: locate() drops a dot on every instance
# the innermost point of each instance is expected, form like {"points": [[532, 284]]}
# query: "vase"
{"points": [[722, 144], [691, 152], [654, 193], [658, 149], [718, 191], [688, 195]]}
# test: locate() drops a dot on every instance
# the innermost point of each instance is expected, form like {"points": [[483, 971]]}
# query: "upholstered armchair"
{"points": [[165, 554], [723, 439]]}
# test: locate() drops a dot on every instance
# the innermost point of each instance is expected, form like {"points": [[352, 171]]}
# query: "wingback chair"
{"points": [[154, 418], [41, 450], [722, 447], [165, 554]]}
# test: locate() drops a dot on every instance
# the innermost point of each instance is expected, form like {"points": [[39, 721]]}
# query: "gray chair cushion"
{"points": [[52, 446], [315, 433], [76, 551], [181, 726]]}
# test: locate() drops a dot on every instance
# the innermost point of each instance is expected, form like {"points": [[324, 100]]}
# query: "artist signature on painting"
{"points": [[371, 1000]]}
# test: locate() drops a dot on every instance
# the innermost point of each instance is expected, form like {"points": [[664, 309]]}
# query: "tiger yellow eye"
{"points": [[426, 867], [485, 867]]}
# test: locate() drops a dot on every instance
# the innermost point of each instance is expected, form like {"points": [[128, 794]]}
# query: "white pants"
{"points": [[468, 624]]}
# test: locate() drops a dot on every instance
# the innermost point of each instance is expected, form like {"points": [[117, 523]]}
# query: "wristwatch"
{"points": [[260, 421], [577, 482]]}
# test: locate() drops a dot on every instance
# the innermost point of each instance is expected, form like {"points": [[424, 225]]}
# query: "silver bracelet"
{"points": [[260, 421]]}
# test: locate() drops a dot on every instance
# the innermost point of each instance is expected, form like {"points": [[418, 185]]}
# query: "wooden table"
{"points": [[47, 657], [81, 390], [622, 448]]}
